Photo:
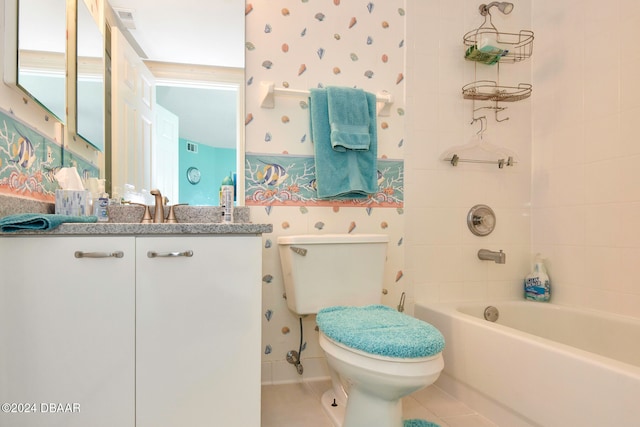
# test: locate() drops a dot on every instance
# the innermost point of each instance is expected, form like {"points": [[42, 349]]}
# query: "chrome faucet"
{"points": [[158, 213], [497, 257]]}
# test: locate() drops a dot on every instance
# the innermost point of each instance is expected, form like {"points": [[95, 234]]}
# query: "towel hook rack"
{"points": [[268, 91], [482, 120]]}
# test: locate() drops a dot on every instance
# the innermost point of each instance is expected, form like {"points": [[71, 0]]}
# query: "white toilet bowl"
{"points": [[376, 383], [378, 354]]}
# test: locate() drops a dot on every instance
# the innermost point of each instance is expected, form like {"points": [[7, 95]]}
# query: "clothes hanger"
{"points": [[479, 150]]}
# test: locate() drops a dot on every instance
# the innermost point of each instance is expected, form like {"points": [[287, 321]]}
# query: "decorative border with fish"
{"points": [[28, 161], [288, 180]]}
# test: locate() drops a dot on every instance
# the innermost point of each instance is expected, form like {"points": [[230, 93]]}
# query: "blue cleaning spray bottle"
{"points": [[537, 286]]}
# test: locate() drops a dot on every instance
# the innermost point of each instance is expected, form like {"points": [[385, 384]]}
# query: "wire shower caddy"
{"points": [[518, 47]]}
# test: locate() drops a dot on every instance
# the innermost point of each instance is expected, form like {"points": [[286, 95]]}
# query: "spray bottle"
{"points": [[226, 201], [537, 286]]}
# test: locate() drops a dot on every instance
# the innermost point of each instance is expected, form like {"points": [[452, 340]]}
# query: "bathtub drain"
{"points": [[491, 313]]}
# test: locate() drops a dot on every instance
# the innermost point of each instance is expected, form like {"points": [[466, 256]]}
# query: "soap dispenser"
{"points": [[99, 199], [537, 286]]}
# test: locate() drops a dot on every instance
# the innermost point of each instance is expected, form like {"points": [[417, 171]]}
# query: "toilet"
{"points": [[375, 354]]}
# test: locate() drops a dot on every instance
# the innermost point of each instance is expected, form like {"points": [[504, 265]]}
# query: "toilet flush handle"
{"points": [[401, 304], [299, 251]]}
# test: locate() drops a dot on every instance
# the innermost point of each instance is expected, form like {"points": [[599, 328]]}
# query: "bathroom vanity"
{"points": [[151, 326]]}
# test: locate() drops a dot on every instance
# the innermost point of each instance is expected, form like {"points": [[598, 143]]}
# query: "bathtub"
{"points": [[541, 364]]}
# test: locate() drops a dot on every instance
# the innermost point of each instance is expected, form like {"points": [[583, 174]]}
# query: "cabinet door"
{"points": [[66, 332], [198, 332]]}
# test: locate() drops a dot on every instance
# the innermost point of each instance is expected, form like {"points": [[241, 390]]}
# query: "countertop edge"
{"points": [[116, 229]]}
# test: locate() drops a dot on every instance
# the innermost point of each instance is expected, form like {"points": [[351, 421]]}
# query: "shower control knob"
{"points": [[481, 220]]}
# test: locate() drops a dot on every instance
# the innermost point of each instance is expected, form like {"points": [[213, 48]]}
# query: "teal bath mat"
{"points": [[419, 423]]}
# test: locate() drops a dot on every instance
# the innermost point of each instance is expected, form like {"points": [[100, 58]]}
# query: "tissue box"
{"points": [[73, 202]]}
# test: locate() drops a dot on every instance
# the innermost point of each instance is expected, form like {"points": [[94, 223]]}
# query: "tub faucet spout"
{"points": [[487, 255]]}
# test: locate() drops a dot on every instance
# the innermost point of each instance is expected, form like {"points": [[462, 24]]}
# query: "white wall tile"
{"points": [[441, 251], [585, 199]]}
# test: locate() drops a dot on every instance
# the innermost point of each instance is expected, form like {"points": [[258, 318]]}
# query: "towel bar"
{"points": [[268, 92]]}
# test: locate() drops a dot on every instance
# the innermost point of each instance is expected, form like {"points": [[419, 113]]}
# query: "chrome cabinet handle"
{"points": [[81, 254], [153, 254]]}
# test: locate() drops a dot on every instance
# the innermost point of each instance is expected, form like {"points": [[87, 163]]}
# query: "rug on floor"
{"points": [[419, 423]]}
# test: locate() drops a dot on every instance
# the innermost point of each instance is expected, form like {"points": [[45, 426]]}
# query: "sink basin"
{"points": [[129, 214]]}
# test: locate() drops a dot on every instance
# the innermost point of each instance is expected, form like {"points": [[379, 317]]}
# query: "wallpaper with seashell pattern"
{"points": [[303, 44], [29, 160]]}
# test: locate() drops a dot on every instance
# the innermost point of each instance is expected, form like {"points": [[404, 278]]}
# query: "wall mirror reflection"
{"points": [[210, 146], [90, 78], [41, 45], [195, 88]]}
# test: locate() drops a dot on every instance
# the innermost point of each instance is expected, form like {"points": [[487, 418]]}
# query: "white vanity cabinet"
{"points": [[67, 331], [166, 335], [198, 331]]}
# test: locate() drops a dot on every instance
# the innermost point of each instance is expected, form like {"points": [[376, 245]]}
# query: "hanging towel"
{"points": [[349, 118], [349, 174], [42, 222]]}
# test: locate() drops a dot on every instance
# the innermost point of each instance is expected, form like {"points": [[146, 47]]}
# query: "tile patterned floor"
{"points": [[298, 405]]}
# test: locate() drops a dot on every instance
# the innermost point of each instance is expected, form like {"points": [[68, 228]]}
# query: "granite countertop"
{"points": [[125, 220], [119, 229]]}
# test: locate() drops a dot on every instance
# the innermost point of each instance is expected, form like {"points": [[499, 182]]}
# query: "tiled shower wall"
{"points": [[441, 261], [586, 151]]}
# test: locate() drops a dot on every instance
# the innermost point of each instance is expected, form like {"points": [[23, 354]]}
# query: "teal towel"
{"points": [[350, 174], [381, 330], [44, 222], [419, 423], [348, 118]]}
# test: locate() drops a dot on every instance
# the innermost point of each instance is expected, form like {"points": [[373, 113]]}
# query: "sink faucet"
{"points": [[158, 214], [497, 257], [171, 218]]}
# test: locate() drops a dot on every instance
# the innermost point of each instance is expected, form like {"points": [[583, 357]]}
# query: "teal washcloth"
{"points": [[350, 174], [381, 330], [44, 222], [419, 423], [348, 118]]}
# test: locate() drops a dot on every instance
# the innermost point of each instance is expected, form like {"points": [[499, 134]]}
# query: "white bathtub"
{"points": [[541, 364]]}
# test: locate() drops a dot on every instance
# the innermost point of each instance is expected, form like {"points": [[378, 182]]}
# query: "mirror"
{"points": [[192, 64], [207, 146], [41, 45], [90, 78]]}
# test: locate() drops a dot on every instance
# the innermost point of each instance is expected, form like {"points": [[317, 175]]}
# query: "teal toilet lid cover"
{"points": [[380, 330]]}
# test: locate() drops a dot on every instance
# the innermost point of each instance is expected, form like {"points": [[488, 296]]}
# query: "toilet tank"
{"points": [[332, 269]]}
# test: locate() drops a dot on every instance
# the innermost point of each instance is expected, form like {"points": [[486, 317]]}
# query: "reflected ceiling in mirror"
{"points": [[213, 122], [42, 40], [186, 32]]}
